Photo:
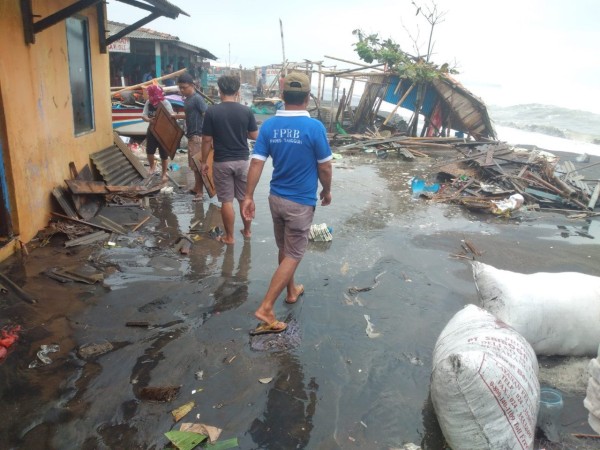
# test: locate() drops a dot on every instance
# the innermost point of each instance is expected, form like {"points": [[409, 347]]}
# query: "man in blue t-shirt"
{"points": [[301, 158]]}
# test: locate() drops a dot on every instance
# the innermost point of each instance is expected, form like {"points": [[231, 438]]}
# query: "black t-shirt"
{"points": [[229, 124], [194, 107]]}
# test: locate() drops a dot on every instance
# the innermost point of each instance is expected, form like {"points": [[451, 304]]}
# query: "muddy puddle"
{"points": [[357, 376]]}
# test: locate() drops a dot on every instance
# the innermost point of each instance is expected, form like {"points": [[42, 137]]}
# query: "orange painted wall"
{"points": [[36, 95]]}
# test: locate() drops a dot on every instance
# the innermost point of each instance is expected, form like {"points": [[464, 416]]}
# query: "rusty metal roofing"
{"points": [[115, 168], [148, 34]]}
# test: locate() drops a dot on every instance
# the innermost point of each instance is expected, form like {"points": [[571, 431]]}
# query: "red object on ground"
{"points": [[9, 337]]}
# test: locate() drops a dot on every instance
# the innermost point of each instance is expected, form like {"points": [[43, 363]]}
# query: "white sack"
{"points": [[558, 313], [484, 384], [592, 398]]}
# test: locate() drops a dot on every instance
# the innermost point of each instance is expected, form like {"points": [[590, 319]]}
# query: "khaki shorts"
{"points": [[291, 223], [194, 147], [230, 180]]}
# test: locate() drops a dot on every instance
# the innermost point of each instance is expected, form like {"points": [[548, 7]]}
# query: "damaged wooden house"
{"points": [[54, 56]]}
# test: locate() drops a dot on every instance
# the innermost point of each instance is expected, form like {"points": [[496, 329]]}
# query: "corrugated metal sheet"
{"points": [[115, 168], [148, 34]]}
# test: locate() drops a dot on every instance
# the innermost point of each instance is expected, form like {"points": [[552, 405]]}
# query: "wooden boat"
{"points": [[124, 114]]}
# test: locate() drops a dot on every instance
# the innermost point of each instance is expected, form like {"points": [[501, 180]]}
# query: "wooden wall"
{"points": [[36, 99]]}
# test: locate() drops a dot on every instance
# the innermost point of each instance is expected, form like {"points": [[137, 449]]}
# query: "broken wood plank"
{"points": [[88, 239], [86, 187], [594, 199], [108, 223], [142, 222], [489, 157], [135, 162], [95, 225], [125, 189], [60, 195]]}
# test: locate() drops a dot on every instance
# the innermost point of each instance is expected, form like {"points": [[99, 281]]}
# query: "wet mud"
{"points": [[354, 371]]}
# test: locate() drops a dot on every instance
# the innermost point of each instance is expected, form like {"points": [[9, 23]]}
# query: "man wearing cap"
{"points": [[301, 157]]}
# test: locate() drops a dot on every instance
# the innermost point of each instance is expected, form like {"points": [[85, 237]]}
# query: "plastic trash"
{"points": [[507, 205], [174, 167], [215, 232], [320, 233], [551, 405], [418, 186], [42, 354]]}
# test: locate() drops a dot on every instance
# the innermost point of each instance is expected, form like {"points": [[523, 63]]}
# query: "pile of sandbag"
{"points": [[558, 313], [592, 399], [484, 384]]}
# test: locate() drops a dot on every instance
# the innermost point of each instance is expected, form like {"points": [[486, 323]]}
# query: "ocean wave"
{"points": [[549, 120]]}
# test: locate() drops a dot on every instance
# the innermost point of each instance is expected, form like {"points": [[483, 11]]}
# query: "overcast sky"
{"points": [[508, 52]]}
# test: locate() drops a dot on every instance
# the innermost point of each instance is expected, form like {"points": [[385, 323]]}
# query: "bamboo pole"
{"points": [[319, 86], [351, 62], [145, 83], [398, 104], [332, 104]]}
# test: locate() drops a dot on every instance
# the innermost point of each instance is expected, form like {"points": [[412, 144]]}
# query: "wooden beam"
{"points": [[101, 15], [63, 14], [27, 17]]}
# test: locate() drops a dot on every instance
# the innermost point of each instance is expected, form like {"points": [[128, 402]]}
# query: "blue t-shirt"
{"points": [[297, 143]]}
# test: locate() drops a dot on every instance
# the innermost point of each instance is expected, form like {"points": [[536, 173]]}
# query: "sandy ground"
{"points": [[334, 387]]}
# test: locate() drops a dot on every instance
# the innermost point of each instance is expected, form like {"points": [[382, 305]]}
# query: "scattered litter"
{"points": [[504, 207], [200, 375], [320, 233], [354, 289], [159, 393], [185, 440], [167, 190], [42, 354], [370, 328], [213, 433], [9, 337], [88, 351], [137, 324], [180, 412], [265, 380], [418, 187], [414, 360], [551, 405], [583, 158], [215, 232]]}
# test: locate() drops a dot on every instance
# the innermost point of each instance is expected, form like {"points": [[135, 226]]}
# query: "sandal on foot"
{"points": [[272, 328]]}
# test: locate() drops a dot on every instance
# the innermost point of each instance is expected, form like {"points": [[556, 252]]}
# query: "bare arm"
{"points": [[325, 174], [254, 173]]}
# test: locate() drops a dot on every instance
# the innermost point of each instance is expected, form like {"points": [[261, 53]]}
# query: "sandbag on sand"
{"points": [[558, 313], [484, 384]]}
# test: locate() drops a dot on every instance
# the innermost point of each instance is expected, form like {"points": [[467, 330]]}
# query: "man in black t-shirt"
{"points": [[227, 127]]}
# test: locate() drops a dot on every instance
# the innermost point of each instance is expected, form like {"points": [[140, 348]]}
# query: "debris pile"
{"points": [[486, 174]]}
